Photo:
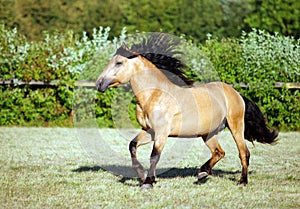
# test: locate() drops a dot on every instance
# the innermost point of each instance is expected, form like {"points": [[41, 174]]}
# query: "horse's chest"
{"points": [[154, 113]]}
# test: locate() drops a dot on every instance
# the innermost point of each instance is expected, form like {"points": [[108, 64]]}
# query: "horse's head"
{"points": [[118, 71]]}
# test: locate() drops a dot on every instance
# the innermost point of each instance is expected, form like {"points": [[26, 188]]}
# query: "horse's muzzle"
{"points": [[103, 84]]}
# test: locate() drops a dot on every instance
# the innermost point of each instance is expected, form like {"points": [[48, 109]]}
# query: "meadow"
{"points": [[53, 168]]}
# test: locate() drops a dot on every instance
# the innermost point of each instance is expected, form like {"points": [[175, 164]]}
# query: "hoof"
{"points": [[146, 186], [242, 182], [202, 175], [148, 183]]}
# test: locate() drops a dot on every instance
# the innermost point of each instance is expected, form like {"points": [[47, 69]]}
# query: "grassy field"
{"points": [[51, 168]]}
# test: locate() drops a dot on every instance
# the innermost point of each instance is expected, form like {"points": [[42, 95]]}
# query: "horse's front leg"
{"points": [[143, 137], [159, 143]]}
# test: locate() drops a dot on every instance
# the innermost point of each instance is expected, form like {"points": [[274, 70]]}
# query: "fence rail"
{"points": [[91, 84], [16, 82]]}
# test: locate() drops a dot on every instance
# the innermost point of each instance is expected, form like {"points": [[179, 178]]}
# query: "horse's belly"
{"points": [[190, 128], [197, 122]]}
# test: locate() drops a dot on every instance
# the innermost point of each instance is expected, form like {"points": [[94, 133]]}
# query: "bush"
{"points": [[269, 59], [260, 60], [59, 57], [257, 58]]}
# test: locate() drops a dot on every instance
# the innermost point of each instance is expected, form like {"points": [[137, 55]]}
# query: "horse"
{"points": [[164, 108]]}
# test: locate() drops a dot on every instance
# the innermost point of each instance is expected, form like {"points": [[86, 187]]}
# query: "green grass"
{"points": [[50, 168]]}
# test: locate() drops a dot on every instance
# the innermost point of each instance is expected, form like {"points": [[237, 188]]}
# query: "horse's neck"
{"points": [[149, 79]]}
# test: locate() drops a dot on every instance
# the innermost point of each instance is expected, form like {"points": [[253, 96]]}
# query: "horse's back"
{"points": [[223, 93]]}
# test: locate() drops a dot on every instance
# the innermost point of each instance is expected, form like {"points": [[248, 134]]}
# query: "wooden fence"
{"points": [[91, 84]]}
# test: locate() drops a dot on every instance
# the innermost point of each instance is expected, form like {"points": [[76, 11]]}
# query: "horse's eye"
{"points": [[118, 63]]}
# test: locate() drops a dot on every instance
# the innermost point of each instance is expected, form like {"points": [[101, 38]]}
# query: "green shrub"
{"points": [[260, 60], [257, 59], [268, 59], [27, 106], [59, 57], [225, 56]]}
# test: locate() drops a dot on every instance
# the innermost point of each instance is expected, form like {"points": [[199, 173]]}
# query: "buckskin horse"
{"points": [[165, 109]]}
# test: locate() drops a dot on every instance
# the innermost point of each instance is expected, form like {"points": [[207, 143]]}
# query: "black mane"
{"points": [[160, 49]]}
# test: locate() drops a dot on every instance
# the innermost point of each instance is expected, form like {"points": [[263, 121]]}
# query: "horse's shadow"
{"points": [[165, 173]]}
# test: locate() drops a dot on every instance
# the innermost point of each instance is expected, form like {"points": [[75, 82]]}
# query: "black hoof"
{"points": [[243, 182]]}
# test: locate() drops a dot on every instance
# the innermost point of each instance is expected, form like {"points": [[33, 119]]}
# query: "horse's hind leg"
{"points": [[143, 137], [237, 130], [217, 154]]}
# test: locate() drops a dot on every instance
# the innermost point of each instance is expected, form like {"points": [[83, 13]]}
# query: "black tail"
{"points": [[256, 128]]}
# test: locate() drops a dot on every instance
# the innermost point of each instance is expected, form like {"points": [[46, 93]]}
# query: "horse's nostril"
{"points": [[98, 84], [102, 84]]}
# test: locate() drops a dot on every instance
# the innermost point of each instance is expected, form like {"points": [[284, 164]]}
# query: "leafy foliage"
{"points": [[257, 58], [197, 18], [270, 57], [221, 18], [60, 57], [279, 16], [260, 59], [267, 59]]}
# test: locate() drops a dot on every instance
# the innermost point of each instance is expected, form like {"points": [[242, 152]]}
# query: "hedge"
{"points": [[256, 58], [260, 60]]}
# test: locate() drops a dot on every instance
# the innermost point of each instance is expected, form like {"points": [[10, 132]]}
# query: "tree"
{"points": [[32, 17], [281, 16], [198, 18], [149, 15], [234, 13]]}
